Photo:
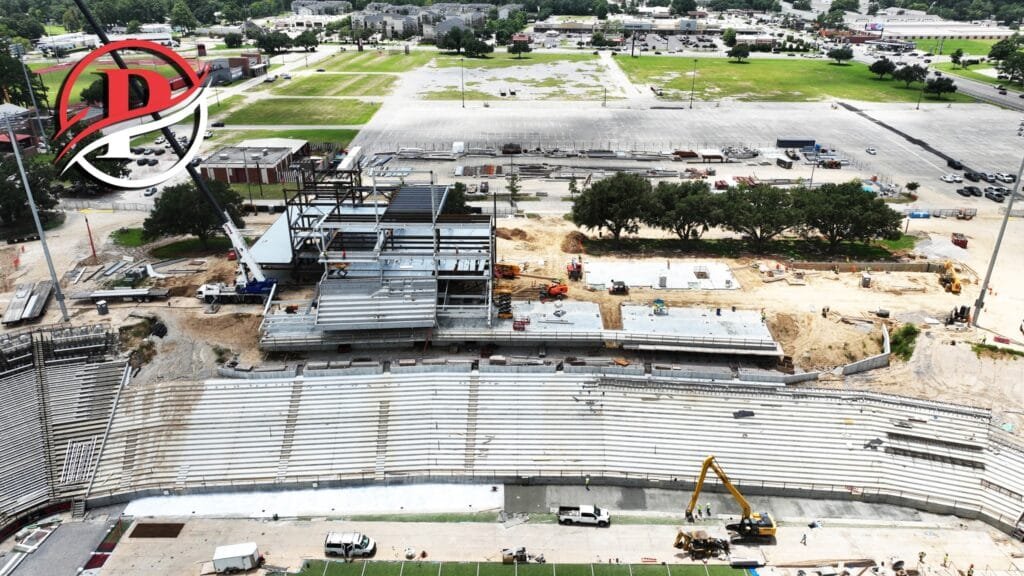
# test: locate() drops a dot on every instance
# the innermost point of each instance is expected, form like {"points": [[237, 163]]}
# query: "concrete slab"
{"points": [[700, 322], [66, 550], [557, 316], [669, 274]]}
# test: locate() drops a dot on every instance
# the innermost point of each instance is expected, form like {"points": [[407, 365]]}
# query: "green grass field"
{"points": [[53, 80], [131, 237], [374, 61], [970, 73], [54, 29], [337, 85], [312, 111], [191, 247], [972, 47], [341, 137], [770, 80], [335, 568], [264, 192], [505, 60], [456, 94]]}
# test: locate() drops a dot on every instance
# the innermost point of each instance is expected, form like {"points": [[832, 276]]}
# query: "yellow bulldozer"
{"points": [[700, 545], [949, 279]]}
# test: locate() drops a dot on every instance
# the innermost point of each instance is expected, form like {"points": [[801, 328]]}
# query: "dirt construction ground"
{"points": [[197, 339]]}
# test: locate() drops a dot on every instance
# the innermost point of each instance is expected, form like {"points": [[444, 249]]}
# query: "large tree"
{"points": [[182, 17], [845, 212], [455, 39], [841, 54], [519, 47], [1000, 50], [12, 81], [455, 201], [682, 7], [910, 74], [182, 209], [882, 66], [273, 42], [729, 37], [761, 212], [307, 40], [618, 204], [233, 40], [1013, 66], [13, 200], [687, 209], [739, 52], [939, 86], [956, 56]]}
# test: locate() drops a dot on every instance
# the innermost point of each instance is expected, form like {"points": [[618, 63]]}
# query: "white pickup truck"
{"points": [[585, 514]]}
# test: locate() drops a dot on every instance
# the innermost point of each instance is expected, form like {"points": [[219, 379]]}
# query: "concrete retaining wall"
{"points": [[461, 367], [520, 369], [637, 370], [256, 374], [869, 266], [353, 371], [872, 362]]}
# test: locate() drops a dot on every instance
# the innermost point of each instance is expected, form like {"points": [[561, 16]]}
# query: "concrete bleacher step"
{"points": [[78, 508], [288, 439], [383, 415], [472, 409]]}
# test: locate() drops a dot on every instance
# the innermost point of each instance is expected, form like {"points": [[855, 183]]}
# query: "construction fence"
{"points": [[317, 567]]}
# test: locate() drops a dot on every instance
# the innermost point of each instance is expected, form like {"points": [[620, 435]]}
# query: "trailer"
{"points": [[29, 302], [124, 295], [794, 143], [237, 558]]}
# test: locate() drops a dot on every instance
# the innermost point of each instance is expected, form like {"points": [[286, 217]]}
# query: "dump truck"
{"points": [[234, 558], [584, 514]]}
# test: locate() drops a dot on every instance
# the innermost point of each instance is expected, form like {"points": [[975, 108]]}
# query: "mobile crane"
{"points": [[751, 525]]}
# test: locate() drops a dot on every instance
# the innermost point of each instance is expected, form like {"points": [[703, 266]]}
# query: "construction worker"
{"points": [[707, 511], [586, 482], [920, 557], [945, 560], [970, 571], [803, 540]]}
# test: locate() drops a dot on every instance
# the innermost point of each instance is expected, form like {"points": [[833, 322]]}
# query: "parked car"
{"points": [[321, 70], [217, 124], [972, 176], [137, 149], [584, 514], [952, 178], [994, 196], [141, 161], [1002, 92], [153, 162], [209, 134], [147, 151], [286, 76], [1006, 177], [150, 191], [159, 152], [159, 140], [871, 151], [988, 177], [963, 192], [955, 164], [349, 544], [973, 190]]}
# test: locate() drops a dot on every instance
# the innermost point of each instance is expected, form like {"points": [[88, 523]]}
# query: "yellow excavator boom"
{"points": [[710, 463]]}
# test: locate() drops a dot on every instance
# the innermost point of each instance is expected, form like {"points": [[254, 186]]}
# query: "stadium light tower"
{"points": [[980, 302], [35, 216]]}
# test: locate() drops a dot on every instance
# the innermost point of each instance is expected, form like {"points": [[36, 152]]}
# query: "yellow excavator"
{"points": [[700, 545], [751, 525]]}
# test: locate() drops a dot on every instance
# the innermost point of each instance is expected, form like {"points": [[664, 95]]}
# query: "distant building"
{"points": [[264, 160], [328, 7], [68, 42]]}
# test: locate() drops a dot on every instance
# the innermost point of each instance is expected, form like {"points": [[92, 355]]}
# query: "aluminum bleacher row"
{"points": [[492, 426], [54, 418]]}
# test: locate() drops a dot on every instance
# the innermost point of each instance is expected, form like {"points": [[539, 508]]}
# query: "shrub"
{"points": [[902, 341]]}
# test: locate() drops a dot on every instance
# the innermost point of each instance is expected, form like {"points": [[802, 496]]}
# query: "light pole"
{"points": [[693, 82], [980, 302], [32, 95], [248, 181], [921, 95], [35, 216], [462, 75]]}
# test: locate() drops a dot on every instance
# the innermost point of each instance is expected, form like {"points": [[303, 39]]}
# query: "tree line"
{"points": [[836, 213]]}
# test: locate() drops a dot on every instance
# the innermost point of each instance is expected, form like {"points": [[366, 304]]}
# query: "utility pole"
{"points": [[92, 246], [35, 216], [980, 302], [462, 74], [693, 82]]}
